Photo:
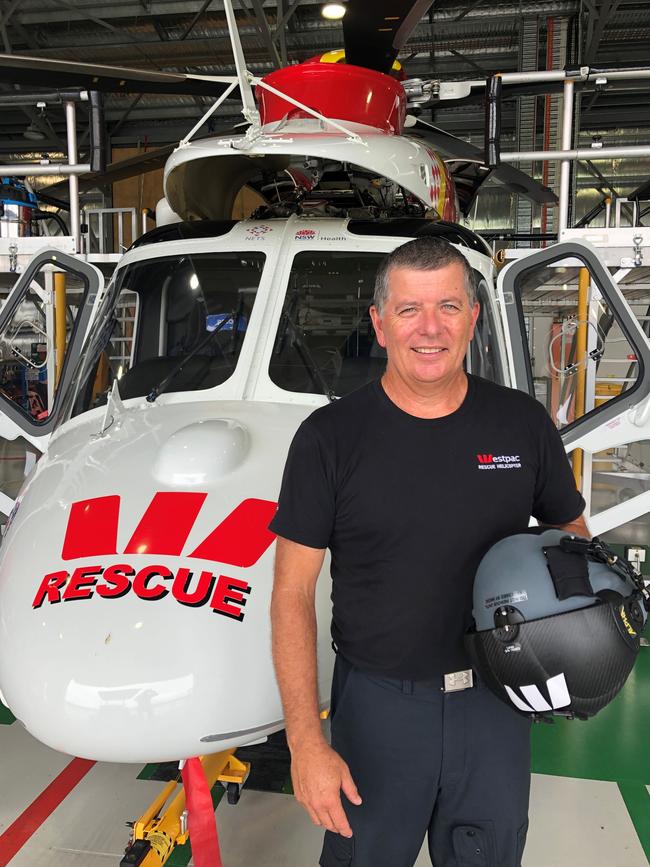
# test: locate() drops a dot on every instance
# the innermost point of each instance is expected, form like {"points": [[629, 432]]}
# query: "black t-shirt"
{"points": [[408, 507]]}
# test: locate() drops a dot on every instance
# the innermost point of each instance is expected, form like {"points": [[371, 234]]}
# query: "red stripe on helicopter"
{"points": [[242, 537], [92, 528], [166, 524]]}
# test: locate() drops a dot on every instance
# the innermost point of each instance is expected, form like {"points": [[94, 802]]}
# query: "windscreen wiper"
{"points": [[157, 390], [308, 360]]}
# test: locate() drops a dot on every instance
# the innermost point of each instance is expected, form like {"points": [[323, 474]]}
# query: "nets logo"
{"points": [[91, 535], [498, 462], [257, 231]]}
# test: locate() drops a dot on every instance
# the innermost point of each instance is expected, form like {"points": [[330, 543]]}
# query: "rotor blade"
{"points": [[130, 167], [374, 33], [38, 72], [139, 164], [508, 176]]}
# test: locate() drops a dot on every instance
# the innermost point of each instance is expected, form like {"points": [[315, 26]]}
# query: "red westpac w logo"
{"points": [[484, 459], [239, 539]]}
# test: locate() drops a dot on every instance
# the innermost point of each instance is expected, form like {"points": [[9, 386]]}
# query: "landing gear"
{"points": [[164, 825], [233, 792], [233, 777]]}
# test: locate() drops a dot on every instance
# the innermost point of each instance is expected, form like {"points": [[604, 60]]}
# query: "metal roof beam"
{"points": [[197, 15], [25, 34], [35, 118], [263, 26], [285, 17], [81, 9], [604, 12], [125, 114], [5, 16], [480, 69], [466, 11]]}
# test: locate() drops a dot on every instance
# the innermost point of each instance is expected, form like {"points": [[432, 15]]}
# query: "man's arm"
{"points": [[317, 771], [576, 528]]}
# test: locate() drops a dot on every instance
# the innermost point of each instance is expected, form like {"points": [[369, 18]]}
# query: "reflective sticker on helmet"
{"points": [[518, 703], [557, 691], [536, 699], [626, 622]]}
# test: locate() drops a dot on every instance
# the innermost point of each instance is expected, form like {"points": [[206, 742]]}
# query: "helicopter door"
{"points": [[43, 324], [577, 346]]}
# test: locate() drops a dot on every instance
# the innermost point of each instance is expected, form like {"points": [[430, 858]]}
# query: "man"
{"points": [[388, 479]]}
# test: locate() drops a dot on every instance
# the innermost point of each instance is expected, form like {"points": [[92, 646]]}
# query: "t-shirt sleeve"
{"points": [[557, 500], [306, 506]]}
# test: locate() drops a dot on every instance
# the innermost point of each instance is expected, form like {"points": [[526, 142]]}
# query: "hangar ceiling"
{"points": [[458, 40]]}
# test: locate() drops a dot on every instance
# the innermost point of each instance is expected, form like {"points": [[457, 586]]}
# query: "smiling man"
{"points": [[392, 480], [425, 326]]}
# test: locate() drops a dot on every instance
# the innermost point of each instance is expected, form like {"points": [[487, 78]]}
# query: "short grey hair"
{"points": [[422, 254]]}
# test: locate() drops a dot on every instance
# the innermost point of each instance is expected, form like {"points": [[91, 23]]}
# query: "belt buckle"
{"points": [[458, 680]]}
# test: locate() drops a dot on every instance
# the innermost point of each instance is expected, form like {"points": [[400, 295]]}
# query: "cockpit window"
{"points": [[325, 343], [191, 314]]}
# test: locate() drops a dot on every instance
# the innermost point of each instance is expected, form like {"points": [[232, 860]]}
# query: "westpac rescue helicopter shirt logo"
{"points": [[498, 462], [91, 535]]}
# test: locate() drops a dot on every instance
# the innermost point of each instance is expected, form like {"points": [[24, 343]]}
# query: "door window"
{"points": [[578, 347], [42, 328], [581, 347]]}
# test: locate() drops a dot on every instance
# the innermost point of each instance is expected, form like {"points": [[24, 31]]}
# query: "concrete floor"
{"points": [[590, 803]]}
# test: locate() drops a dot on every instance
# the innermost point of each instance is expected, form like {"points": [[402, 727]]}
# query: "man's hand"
{"points": [[319, 775]]}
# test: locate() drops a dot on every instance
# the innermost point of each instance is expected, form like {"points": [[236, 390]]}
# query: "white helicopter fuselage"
{"points": [[136, 574]]}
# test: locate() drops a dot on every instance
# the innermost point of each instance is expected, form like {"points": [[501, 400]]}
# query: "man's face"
{"points": [[426, 324]]}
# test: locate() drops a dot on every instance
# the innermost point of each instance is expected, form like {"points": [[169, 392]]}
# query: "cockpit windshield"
{"points": [[156, 313], [325, 343]]}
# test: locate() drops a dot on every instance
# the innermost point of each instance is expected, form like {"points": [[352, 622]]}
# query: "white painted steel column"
{"points": [[565, 165], [71, 127]]}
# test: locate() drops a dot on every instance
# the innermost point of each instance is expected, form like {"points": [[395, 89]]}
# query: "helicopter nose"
{"points": [[202, 452], [141, 613]]}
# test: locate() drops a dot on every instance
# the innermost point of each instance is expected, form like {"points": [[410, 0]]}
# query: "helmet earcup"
{"points": [[554, 665]]}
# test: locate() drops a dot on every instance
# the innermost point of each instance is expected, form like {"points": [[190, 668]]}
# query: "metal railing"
{"points": [[105, 229]]}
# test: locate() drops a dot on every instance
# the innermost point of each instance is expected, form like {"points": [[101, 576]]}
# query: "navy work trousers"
{"points": [[454, 766]]}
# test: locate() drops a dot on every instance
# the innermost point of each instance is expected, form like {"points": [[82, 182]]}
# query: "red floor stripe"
{"points": [[17, 834]]}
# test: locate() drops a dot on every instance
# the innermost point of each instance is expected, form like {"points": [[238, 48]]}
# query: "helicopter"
{"points": [[145, 522]]}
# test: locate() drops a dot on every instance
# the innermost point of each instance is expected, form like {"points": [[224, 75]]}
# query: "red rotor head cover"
{"points": [[338, 91]]}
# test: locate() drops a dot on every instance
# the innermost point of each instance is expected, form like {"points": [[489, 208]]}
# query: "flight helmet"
{"points": [[557, 623]]}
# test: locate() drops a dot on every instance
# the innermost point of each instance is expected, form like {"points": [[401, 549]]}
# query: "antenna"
{"points": [[249, 109]]}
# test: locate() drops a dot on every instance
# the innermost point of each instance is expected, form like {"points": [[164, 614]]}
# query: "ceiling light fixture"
{"points": [[333, 11]]}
